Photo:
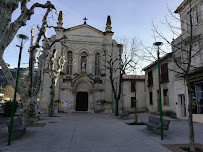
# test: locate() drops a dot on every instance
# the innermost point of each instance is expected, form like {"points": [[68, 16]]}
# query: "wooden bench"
{"points": [[19, 127], [124, 114], [155, 123]]}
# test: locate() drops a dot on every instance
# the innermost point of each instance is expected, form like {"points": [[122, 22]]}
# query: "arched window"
{"points": [[97, 63], [69, 62], [83, 64]]}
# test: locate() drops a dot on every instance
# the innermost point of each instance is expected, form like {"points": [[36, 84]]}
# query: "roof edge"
{"points": [[180, 6], [161, 59]]}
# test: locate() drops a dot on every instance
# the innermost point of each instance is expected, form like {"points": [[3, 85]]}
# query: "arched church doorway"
{"points": [[82, 101]]}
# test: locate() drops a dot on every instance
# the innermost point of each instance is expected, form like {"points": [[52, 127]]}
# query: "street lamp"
{"points": [[116, 113], [52, 95], [23, 39], [157, 45]]}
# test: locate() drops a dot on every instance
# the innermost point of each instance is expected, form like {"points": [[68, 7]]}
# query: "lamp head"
{"points": [[22, 36], [23, 39], [158, 43]]}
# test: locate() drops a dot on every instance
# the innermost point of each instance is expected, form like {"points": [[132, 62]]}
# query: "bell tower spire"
{"points": [[60, 20], [108, 24]]}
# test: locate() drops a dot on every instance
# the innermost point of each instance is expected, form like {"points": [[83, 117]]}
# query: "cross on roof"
{"points": [[85, 19]]}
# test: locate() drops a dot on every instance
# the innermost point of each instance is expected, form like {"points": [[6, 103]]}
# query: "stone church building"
{"points": [[84, 80]]}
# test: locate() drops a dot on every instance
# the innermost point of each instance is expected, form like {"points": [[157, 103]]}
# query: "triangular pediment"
{"points": [[82, 76], [84, 29]]}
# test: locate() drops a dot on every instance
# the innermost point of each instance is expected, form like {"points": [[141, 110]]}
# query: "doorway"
{"points": [[183, 105], [82, 101]]}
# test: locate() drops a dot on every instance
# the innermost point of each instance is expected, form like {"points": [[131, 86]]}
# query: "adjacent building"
{"points": [[133, 90], [169, 105], [191, 17], [174, 90]]}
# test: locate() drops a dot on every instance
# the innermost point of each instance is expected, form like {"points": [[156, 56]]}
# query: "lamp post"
{"points": [[23, 39], [116, 113], [158, 44], [52, 96]]}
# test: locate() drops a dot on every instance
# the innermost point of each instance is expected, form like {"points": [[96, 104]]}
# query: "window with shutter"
{"points": [[133, 102], [194, 16], [150, 98], [166, 99], [150, 78], [164, 72], [132, 86]]}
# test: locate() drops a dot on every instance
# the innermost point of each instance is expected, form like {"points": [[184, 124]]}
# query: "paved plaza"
{"points": [[87, 132]]}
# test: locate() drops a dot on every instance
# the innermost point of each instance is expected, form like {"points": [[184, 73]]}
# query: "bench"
{"points": [[155, 123], [124, 114], [19, 127]]}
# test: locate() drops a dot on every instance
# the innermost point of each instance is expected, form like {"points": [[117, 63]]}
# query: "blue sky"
{"points": [[129, 17]]}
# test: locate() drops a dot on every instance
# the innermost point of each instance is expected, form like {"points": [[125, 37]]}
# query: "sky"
{"points": [[129, 18]]}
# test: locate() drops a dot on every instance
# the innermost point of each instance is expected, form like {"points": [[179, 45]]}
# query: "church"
{"points": [[84, 80]]}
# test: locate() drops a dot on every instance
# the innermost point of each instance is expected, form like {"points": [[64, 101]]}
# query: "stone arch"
{"points": [[80, 82], [84, 59], [82, 49], [97, 50], [70, 48], [83, 87]]}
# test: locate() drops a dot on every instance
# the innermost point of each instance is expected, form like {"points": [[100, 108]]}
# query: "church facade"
{"points": [[84, 80]]}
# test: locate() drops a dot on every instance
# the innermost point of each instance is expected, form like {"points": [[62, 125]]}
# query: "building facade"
{"points": [[174, 90], [191, 17], [133, 89], [169, 105], [84, 80]]}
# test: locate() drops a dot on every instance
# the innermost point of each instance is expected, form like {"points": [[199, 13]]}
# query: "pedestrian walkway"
{"points": [[86, 132]]}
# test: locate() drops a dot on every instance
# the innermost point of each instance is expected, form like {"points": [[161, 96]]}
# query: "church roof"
{"points": [[135, 77], [166, 56], [87, 26]]}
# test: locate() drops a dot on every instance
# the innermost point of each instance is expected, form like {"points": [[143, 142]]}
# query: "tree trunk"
{"points": [[135, 111], [190, 120]]}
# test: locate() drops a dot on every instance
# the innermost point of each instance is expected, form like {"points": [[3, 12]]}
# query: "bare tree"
{"points": [[54, 68], [121, 63], [9, 29], [184, 55]]}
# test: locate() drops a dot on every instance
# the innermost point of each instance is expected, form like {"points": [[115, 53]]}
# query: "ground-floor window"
{"points": [[166, 99], [198, 103], [133, 102], [181, 98], [150, 98]]}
